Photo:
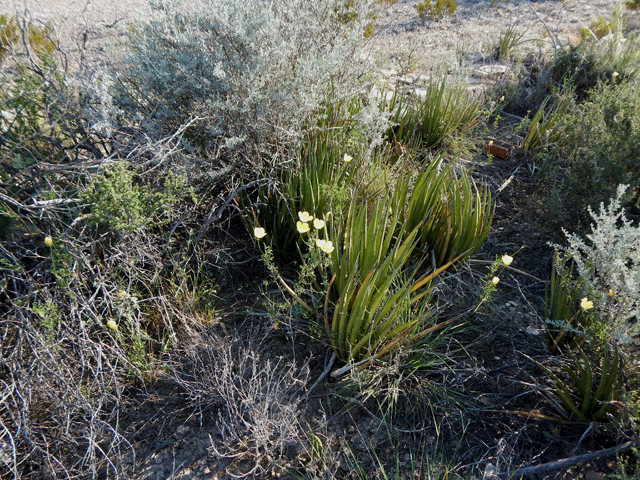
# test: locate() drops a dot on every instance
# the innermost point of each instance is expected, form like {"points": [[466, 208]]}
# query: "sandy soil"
{"points": [[408, 44], [402, 41]]}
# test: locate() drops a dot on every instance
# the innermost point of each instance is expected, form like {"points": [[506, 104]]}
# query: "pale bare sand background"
{"points": [[88, 26], [84, 28]]}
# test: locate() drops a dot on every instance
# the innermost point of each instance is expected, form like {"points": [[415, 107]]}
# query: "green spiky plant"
{"points": [[507, 42], [596, 395], [455, 214], [546, 126], [318, 186], [382, 302], [565, 323], [442, 117]]}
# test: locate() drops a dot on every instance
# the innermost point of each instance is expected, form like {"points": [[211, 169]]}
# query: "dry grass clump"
{"points": [[256, 398]]}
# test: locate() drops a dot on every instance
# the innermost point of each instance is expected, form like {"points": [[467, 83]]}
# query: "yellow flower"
{"points": [[502, 98], [490, 142], [259, 232], [320, 243], [586, 304], [48, 241], [122, 293], [319, 224], [611, 293], [325, 246], [506, 259], [615, 74], [495, 280], [303, 227], [304, 217], [112, 325], [347, 158]]}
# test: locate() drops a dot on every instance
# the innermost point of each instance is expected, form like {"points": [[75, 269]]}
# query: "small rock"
{"points": [[407, 80], [388, 73], [478, 57], [421, 92], [592, 475], [388, 96], [488, 71], [490, 471], [182, 429], [532, 331]]}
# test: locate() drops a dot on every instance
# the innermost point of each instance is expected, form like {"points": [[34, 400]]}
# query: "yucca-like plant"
{"points": [[441, 115], [565, 323], [319, 185], [507, 42], [596, 396], [382, 301], [455, 214], [546, 125]]}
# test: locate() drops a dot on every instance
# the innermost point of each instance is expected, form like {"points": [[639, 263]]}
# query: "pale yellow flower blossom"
{"points": [[304, 217], [48, 241], [319, 224], [347, 158], [325, 245], [112, 325], [490, 142], [586, 304], [259, 232], [495, 280], [302, 227], [611, 293], [506, 259]]}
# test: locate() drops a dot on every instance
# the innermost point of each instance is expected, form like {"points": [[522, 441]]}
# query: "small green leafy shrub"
{"points": [[118, 203], [435, 8], [591, 62], [601, 141], [598, 29], [34, 99], [38, 37]]}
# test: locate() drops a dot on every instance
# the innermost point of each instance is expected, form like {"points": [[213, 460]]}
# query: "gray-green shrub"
{"points": [[608, 262], [251, 71]]}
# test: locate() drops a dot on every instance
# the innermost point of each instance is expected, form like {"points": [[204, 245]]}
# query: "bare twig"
{"points": [[568, 462]]}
